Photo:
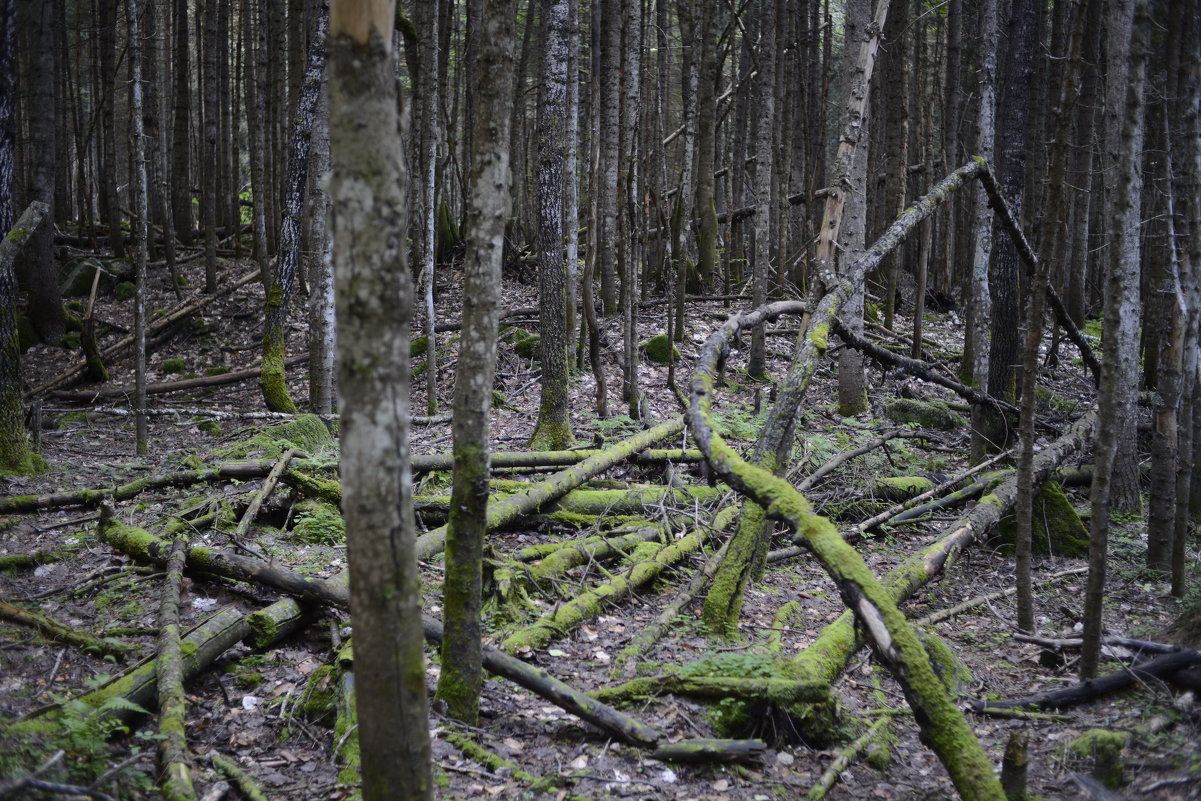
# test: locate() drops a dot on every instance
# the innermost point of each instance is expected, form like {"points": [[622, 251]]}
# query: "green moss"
{"points": [[27, 335], [928, 414], [319, 703], [211, 427], [955, 675], [656, 349], [498, 399], [248, 681], [527, 348], [418, 347], [318, 523], [216, 370], [1058, 529], [901, 488], [306, 433], [126, 290], [1104, 747], [71, 341], [819, 335], [174, 366]]}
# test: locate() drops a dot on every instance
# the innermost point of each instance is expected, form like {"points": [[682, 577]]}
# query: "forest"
{"points": [[658, 399]]}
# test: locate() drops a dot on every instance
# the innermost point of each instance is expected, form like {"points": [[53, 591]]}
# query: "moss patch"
{"points": [[174, 366], [901, 488], [657, 350], [306, 433], [1104, 747], [126, 290], [928, 414], [1058, 530], [318, 523]]}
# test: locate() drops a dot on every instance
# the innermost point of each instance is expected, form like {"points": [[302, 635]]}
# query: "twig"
{"points": [[830, 777], [946, 614], [263, 494]]}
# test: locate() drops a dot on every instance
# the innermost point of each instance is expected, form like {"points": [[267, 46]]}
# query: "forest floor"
{"points": [[246, 707]]}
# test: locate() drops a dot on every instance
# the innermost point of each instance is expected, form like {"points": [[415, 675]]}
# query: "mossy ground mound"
{"points": [[1058, 530], [927, 414], [901, 488], [659, 350], [306, 433]]}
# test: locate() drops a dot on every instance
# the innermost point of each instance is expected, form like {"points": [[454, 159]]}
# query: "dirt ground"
{"points": [[246, 706]]}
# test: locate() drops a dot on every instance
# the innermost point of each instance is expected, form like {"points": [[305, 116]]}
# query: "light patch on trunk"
{"points": [[875, 623]]}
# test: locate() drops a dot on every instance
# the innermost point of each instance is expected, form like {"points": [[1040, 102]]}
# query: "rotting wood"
{"points": [[633, 501], [706, 751], [230, 770], [1121, 642], [263, 494], [556, 485], [767, 690], [1152, 672], [59, 632], [180, 313], [163, 387], [175, 770], [335, 592]]}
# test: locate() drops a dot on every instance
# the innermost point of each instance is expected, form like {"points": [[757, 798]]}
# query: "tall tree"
{"points": [[1125, 69], [553, 429], [281, 286], [609, 135], [765, 98], [487, 209], [210, 115], [40, 272], [181, 173], [374, 297], [322, 340], [141, 222], [426, 18]]}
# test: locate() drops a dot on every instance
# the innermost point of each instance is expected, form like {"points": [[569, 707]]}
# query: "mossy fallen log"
{"points": [[556, 485], [509, 459], [927, 414], [593, 503], [335, 591], [60, 632], [781, 692], [174, 765], [589, 604]]}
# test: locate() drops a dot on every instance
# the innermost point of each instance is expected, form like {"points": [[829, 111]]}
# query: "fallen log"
{"points": [[163, 387], [555, 486], [59, 632], [634, 501], [706, 751], [588, 604], [505, 459], [780, 692], [178, 314], [843, 761], [1161, 668], [174, 766], [335, 592], [828, 654], [942, 724]]}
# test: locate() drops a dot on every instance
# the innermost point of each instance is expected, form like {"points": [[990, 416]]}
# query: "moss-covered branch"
{"points": [[176, 772], [51, 628], [556, 485], [943, 726]]}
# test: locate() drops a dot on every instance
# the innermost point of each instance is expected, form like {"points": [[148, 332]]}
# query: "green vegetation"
{"points": [[174, 366], [126, 290], [656, 349]]}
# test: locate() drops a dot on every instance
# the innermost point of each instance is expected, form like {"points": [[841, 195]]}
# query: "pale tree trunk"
{"points": [[255, 37], [429, 81], [764, 104], [852, 380], [571, 188], [281, 286], [141, 224], [487, 209], [209, 114], [162, 152], [896, 142], [592, 265], [979, 303], [1126, 64], [682, 240], [553, 428], [374, 301], [322, 341], [110, 205]]}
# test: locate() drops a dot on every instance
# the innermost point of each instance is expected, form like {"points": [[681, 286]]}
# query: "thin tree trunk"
{"points": [[487, 209], [181, 173], [141, 224], [764, 103], [322, 341], [281, 286]]}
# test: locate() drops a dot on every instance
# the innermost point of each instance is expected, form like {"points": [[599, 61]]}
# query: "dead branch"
{"points": [[847, 755], [263, 494], [555, 486], [62, 633], [163, 387], [707, 751], [1156, 670], [176, 772], [947, 614]]}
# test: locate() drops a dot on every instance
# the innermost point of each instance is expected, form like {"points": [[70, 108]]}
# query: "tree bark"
{"points": [[372, 287], [487, 209]]}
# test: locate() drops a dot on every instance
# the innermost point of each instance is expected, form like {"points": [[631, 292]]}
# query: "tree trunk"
{"points": [[609, 82], [210, 115], [141, 224], [374, 296], [553, 428], [764, 103], [322, 342], [487, 209], [281, 286], [1125, 60], [181, 172]]}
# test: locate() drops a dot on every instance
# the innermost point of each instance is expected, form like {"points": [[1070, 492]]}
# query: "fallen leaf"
{"points": [[579, 763]]}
